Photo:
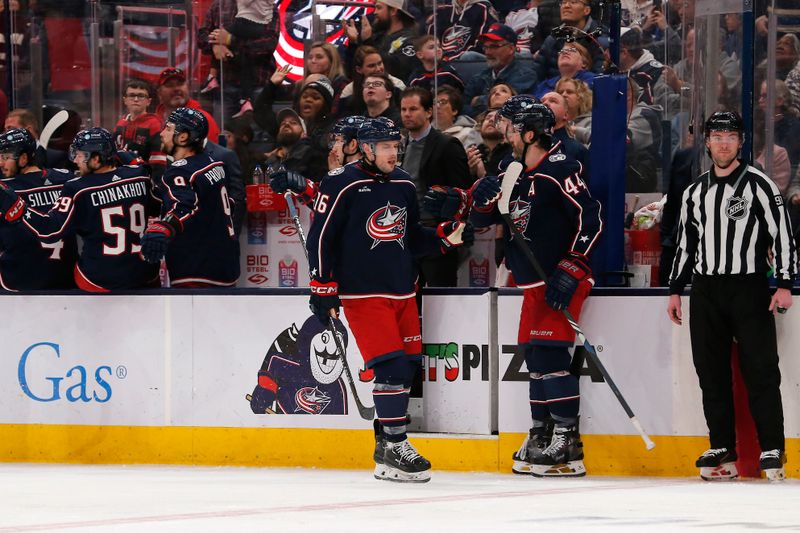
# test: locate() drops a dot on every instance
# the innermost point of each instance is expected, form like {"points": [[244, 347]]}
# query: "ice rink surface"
{"points": [[202, 499]]}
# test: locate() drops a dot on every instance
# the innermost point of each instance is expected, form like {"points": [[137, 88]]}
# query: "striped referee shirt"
{"points": [[728, 226]]}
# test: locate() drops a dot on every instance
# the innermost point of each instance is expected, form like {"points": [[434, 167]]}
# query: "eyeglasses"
{"points": [[442, 101], [8, 157], [567, 49], [374, 84], [137, 96], [493, 46]]}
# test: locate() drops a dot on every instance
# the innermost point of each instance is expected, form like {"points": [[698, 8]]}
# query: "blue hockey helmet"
{"points": [[347, 127], [517, 104], [191, 121], [537, 118], [18, 141], [94, 141], [374, 130]]}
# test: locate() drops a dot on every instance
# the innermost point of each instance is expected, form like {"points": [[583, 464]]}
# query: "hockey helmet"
{"points": [[724, 121], [191, 121], [517, 104], [17, 141], [94, 141], [374, 130], [347, 127]]}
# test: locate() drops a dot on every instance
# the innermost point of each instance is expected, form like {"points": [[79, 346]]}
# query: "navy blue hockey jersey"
{"points": [[553, 209], [206, 252], [366, 233], [108, 211], [26, 263]]}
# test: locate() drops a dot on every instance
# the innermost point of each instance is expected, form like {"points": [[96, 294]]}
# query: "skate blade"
{"points": [[723, 472], [775, 474], [380, 471], [398, 476], [522, 468], [570, 469]]}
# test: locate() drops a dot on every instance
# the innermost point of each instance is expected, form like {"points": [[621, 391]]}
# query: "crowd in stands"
{"points": [[442, 76]]}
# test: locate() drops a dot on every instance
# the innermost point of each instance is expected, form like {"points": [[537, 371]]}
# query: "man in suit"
{"points": [[432, 158]]}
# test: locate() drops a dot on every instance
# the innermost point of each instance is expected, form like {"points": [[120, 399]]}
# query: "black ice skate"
{"points": [[771, 463], [380, 450], [718, 464], [563, 457], [532, 448], [404, 464]]}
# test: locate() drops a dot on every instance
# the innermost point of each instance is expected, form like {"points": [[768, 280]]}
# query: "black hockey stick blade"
{"points": [[507, 186]]}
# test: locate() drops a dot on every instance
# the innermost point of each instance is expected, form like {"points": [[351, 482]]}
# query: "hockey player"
{"points": [[26, 263], [195, 231], [733, 229], [362, 247], [106, 206], [343, 148], [552, 208]]}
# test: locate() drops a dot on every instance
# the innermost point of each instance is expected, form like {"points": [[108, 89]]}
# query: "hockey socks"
{"points": [[553, 390]]}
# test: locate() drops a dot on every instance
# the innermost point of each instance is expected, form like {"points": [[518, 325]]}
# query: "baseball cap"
{"points": [[289, 112], [171, 73], [400, 5], [500, 32]]}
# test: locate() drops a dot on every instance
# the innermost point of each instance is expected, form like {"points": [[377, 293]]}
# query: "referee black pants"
{"points": [[722, 308]]}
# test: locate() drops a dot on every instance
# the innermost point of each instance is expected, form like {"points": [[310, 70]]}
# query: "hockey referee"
{"points": [[733, 231]]}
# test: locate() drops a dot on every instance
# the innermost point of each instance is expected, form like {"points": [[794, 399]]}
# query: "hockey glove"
{"points": [[286, 180], [455, 234], [451, 203], [485, 193], [264, 394], [156, 239], [565, 280], [324, 297], [12, 206]]}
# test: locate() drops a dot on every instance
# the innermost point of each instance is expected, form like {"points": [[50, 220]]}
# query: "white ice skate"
{"points": [[771, 463]]}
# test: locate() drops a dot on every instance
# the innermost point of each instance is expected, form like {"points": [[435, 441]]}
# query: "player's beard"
{"points": [[725, 163]]}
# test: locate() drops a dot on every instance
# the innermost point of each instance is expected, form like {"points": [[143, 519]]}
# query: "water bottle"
{"points": [[258, 175]]}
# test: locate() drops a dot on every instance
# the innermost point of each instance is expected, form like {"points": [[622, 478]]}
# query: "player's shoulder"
{"points": [[129, 172], [557, 165], [341, 178], [57, 176]]}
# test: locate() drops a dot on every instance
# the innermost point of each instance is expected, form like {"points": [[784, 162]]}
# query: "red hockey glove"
{"points": [[324, 297], [565, 280], [12, 206], [454, 234]]}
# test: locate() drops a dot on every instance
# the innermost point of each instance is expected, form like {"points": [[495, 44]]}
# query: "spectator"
{"points": [[241, 35], [173, 92], [393, 36], [578, 97], [576, 24], [484, 159], [643, 154], [787, 53], [781, 166], [139, 131], [786, 125], [524, 22], [323, 58], [639, 64], [733, 34], [450, 121], [432, 67], [499, 93], [573, 62], [460, 25], [549, 12], [499, 42], [793, 85], [636, 12], [432, 158], [292, 149], [366, 62], [313, 106], [378, 95], [568, 146]]}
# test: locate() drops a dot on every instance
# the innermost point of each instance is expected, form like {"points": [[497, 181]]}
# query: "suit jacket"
{"points": [[444, 162]]}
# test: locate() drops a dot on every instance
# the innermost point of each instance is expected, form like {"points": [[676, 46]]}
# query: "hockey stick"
{"points": [[509, 180], [267, 411], [52, 125], [367, 413]]}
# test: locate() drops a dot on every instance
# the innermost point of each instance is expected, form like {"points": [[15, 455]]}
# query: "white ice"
{"points": [[201, 499]]}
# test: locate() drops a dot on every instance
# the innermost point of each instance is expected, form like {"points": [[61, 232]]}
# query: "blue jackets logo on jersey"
{"points": [[311, 400], [387, 224], [520, 214]]}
